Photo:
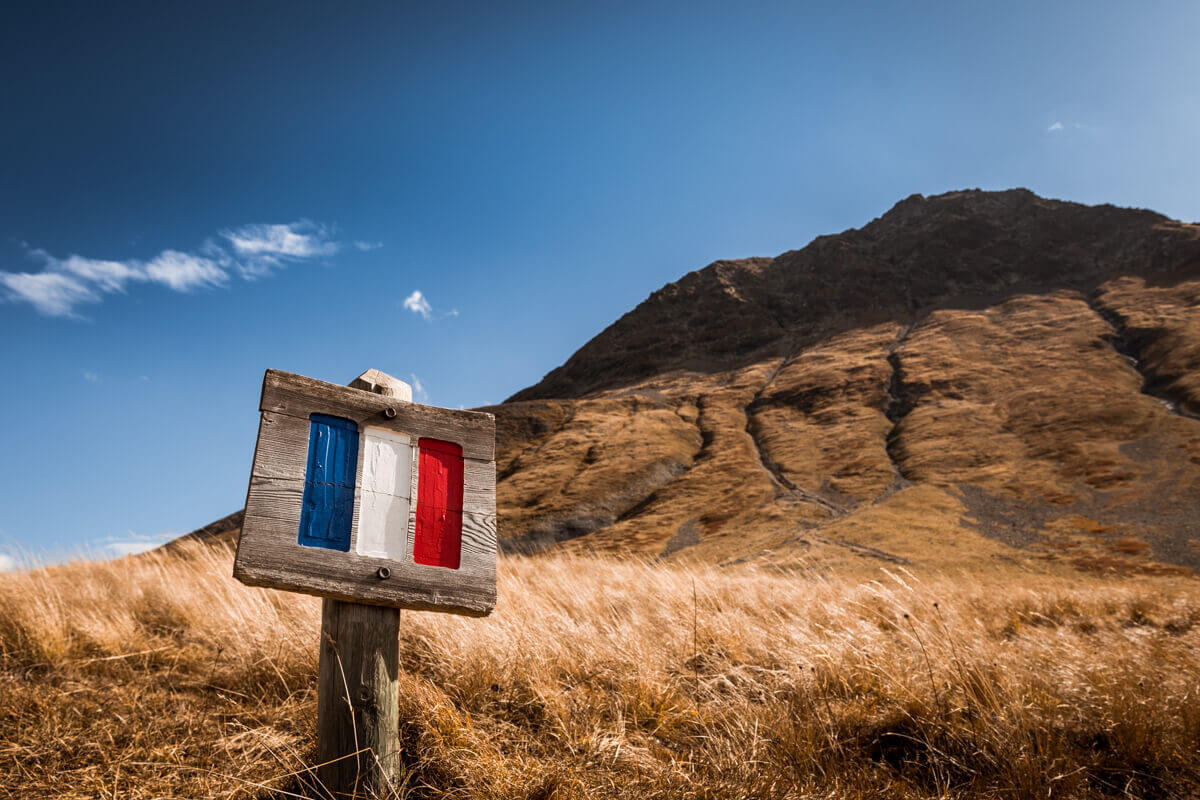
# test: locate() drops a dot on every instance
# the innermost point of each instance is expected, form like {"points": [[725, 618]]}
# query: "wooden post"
{"points": [[357, 682], [358, 699]]}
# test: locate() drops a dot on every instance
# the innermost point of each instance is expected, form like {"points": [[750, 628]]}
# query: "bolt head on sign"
{"points": [[360, 495]]}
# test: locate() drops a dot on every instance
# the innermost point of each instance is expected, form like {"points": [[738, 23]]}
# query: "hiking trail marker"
{"points": [[375, 503]]}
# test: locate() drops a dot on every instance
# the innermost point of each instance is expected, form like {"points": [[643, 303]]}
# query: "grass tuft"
{"points": [[161, 676]]}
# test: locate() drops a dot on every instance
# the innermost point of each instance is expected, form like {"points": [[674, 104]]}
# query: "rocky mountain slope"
{"points": [[976, 379], [973, 378]]}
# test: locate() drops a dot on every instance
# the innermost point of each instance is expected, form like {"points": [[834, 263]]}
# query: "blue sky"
{"points": [[461, 194]]}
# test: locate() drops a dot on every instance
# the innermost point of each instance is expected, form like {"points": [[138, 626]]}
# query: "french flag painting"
{"points": [[375, 467]]}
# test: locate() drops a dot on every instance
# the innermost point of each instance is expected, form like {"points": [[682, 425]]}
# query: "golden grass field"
{"points": [[160, 676]]}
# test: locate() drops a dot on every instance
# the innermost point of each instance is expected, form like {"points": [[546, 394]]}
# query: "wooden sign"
{"points": [[367, 498]]}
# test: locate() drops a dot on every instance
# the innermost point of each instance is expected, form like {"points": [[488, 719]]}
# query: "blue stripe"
{"points": [[329, 483]]}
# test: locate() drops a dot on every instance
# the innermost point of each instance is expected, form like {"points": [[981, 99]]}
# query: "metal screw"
{"points": [[384, 573], [389, 412]]}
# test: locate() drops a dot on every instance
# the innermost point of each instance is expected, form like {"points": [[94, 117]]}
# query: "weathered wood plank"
{"points": [[282, 499], [479, 494], [283, 446], [273, 559], [269, 553], [298, 396], [478, 537], [282, 449]]}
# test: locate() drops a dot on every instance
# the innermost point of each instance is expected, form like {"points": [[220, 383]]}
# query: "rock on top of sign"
{"points": [[381, 383]]}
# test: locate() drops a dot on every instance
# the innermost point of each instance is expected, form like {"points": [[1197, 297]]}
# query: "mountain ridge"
{"points": [[973, 377], [970, 381], [791, 303]]}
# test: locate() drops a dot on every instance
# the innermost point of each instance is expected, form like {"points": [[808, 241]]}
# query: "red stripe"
{"points": [[442, 447], [438, 537]]}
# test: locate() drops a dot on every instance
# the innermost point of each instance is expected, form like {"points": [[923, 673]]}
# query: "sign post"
{"points": [[357, 699], [376, 504]]}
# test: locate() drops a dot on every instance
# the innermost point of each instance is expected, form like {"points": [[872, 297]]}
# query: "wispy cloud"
{"points": [[90, 376], [418, 304], [51, 293], [1058, 126], [132, 543], [184, 271], [61, 285], [418, 387], [108, 276], [365, 246], [260, 249]]}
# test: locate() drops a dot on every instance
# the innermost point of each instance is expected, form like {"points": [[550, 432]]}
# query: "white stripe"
{"points": [[384, 493]]}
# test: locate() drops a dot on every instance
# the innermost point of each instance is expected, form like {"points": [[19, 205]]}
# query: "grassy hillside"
{"points": [[986, 377], [160, 676]]}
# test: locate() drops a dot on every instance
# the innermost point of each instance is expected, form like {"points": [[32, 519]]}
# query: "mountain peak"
{"points": [[963, 248]]}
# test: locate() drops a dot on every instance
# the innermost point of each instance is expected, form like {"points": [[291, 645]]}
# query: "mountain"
{"points": [[976, 378], [973, 380]]}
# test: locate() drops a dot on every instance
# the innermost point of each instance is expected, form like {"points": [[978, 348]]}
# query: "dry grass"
{"points": [[162, 677]]}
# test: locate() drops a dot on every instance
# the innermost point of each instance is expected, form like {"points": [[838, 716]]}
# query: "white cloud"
{"points": [[90, 376], [7, 563], [418, 388], [130, 548], [63, 284], [109, 276], [418, 304], [301, 239], [262, 248], [184, 271], [133, 543], [365, 246], [451, 313], [51, 293], [1057, 126]]}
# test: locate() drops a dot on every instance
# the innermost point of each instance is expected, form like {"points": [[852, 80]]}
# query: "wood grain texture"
{"points": [[272, 558], [268, 552], [297, 396], [281, 499], [358, 737], [280, 438], [479, 492]]}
